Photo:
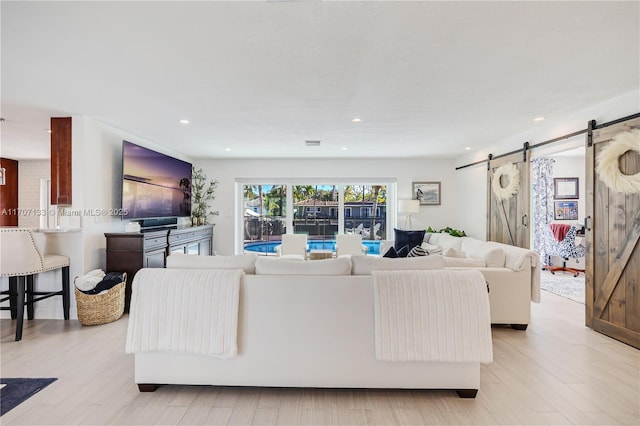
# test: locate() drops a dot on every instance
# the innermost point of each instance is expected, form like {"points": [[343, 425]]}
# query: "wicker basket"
{"points": [[96, 309]]}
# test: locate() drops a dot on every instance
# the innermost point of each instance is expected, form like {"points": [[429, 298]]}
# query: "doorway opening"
{"points": [[557, 214]]}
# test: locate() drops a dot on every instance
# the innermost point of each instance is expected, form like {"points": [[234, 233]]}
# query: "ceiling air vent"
{"points": [[312, 143]]}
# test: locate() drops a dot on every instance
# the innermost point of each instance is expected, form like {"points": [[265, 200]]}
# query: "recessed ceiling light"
{"points": [[227, 149], [538, 119], [183, 121], [468, 148], [356, 120], [344, 148]]}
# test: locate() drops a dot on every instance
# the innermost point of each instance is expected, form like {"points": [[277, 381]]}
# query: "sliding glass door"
{"points": [[319, 210]]}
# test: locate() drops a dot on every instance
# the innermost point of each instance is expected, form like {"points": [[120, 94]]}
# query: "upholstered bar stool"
{"points": [[20, 260]]}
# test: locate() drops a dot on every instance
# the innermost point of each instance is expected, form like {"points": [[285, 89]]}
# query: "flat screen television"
{"points": [[154, 185]]}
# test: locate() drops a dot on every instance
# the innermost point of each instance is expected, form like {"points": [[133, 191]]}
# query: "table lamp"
{"points": [[408, 207]]}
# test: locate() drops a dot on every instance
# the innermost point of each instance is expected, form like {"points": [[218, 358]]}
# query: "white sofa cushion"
{"points": [[446, 241], [452, 252], [363, 265], [283, 266], [463, 262], [246, 262], [472, 245], [493, 255]]}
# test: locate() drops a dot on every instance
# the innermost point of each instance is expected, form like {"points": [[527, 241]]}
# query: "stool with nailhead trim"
{"points": [[21, 261]]}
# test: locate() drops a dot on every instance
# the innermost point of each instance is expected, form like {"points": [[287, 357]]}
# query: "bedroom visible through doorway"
{"points": [[560, 205]]}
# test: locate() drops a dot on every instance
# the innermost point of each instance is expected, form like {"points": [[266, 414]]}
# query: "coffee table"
{"points": [[320, 254]]}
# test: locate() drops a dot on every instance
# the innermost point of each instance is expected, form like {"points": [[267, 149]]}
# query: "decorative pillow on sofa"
{"points": [[391, 253], [407, 238], [404, 251], [431, 248], [281, 266], [363, 265], [417, 251], [246, 262], [451, 252]]}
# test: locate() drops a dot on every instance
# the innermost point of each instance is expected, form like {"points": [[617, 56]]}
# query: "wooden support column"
{"points": [[61, 161], [9, 193]]}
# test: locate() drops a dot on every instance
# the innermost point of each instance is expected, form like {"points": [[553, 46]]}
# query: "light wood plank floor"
{"points": [[557, 372]]}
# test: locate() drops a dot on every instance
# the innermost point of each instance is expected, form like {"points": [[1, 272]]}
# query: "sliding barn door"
{"points": [[613, 231], [508, 216]]}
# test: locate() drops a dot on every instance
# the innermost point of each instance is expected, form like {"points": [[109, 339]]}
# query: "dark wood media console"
{"points": [[131, 251]]}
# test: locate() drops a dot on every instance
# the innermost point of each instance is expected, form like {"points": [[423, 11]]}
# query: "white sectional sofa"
{"points": [[512, 274], [309, 323]]}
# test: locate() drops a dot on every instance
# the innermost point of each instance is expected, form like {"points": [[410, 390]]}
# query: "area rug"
{"points": [[16, 391], [563, 284]]}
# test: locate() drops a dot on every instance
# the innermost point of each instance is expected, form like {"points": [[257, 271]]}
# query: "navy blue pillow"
{"points": [[391, 253], [404, 251], [410, 238]]}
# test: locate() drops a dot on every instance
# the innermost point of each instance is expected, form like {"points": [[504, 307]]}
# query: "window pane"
{"points": [[366, 211], [316, 214], [315, 211], [264, 217]]}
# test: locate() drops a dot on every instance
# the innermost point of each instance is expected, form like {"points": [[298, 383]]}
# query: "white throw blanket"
{"points": [[432, 315], [179, 310]]}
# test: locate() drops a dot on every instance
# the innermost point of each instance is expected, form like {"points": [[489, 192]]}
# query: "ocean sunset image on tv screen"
{"points": [[154, 185]]}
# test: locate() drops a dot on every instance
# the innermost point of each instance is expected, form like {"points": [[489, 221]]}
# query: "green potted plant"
{"points": [[202, 192]]}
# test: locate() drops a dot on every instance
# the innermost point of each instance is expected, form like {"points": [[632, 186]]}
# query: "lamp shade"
{"points": [[408, 206]]}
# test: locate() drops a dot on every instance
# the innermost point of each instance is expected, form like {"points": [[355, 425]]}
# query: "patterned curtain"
{"points": [[542, 190]]}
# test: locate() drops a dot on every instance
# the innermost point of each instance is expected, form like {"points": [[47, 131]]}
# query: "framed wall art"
{"points": [[565, 188], [565, 210], [428, 193]]}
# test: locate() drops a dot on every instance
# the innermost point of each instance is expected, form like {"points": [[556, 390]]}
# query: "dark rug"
{"points": [[16, 391], [564, 284]]}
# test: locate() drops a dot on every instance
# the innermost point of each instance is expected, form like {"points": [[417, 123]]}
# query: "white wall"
{"points": [[471, 197], [471, 181], [403, 171], [565, 167], [97, 182]]}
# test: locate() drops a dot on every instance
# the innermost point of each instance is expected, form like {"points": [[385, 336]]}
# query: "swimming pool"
{"points": [[269, 247]]}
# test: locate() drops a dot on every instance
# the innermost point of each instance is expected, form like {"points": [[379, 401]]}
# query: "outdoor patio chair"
{"points": [[293, 246], [346, 245]]}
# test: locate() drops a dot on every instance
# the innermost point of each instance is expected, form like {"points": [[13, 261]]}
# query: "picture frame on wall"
{"points": [[565, 188], [565, 210], [428, 193]]}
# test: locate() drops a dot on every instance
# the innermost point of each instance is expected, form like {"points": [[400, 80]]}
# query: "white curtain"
{"points": [[542, 190]]}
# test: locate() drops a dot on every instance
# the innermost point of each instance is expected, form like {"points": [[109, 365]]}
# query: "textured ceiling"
{"points": [[260, 78]]}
